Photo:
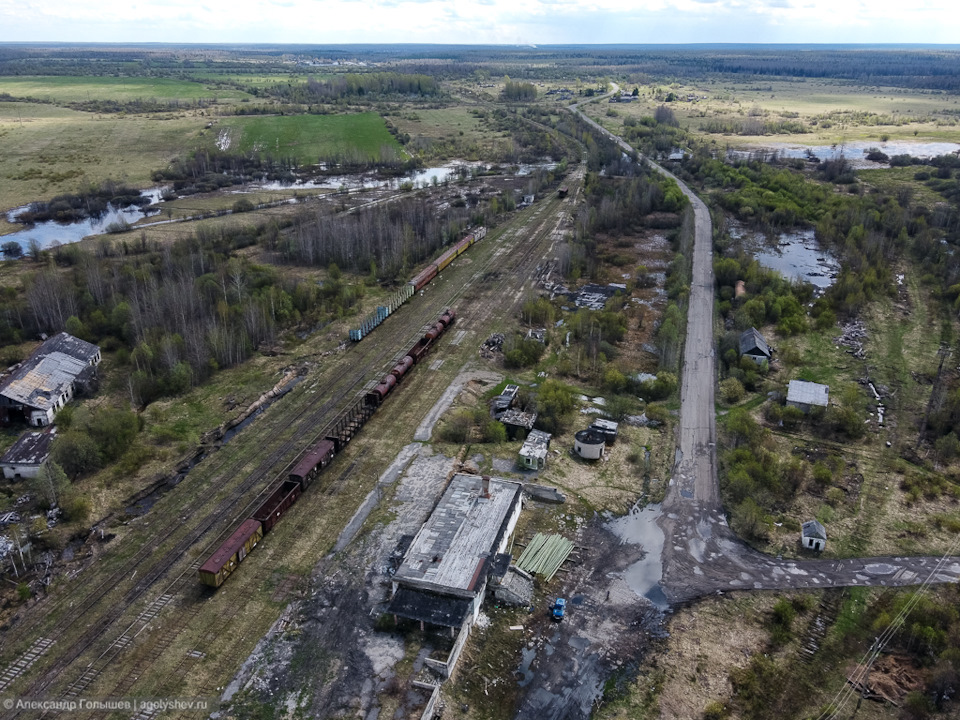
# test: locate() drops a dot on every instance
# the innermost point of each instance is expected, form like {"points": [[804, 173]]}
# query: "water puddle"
{"points": [[527, 654], [639, 527]]}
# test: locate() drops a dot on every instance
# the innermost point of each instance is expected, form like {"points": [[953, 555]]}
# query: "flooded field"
{"points": [[854, 151], [796, 255], [51, 232]]}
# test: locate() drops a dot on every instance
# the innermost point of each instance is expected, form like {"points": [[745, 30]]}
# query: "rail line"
{"points": [[513, 263]]}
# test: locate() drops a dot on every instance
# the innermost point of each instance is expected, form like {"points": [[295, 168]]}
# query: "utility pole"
{"points": [[874, 652], [943, 352]]}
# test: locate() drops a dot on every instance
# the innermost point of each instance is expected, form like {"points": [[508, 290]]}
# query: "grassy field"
{"points": [[831, 111], [49, 150], [70, 89], [308, 137]]}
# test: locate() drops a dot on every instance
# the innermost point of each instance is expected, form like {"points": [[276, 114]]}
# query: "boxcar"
{"points": [[226, 558], [315, 460], [424, 277], [277, 504]]}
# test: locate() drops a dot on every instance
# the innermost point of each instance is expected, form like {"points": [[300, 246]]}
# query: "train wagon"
{"points": [[315, 460], [225, 559], [277, 504], [424, 277]]}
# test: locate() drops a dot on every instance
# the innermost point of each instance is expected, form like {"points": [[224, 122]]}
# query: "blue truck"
{"points": [[556, 612]]}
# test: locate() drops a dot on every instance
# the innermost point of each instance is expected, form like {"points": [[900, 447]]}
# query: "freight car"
{"points": [[228, 556], [416, 284]]}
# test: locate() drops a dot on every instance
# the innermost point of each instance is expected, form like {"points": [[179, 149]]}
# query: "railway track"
{"points": [[107, 646]]}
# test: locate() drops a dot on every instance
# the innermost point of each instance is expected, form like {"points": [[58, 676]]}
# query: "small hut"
{"points": [[813, 535]]}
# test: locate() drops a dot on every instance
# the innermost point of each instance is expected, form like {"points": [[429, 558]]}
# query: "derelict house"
{"points": [[753, 346], [61, 367], [813, 535], [807, 395], [27, 455], [443, 578]]}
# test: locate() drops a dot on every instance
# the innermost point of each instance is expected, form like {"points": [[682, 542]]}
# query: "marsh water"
{"points": [[795, 254]]}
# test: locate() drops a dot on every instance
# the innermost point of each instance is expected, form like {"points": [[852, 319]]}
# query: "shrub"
{"points": [[731, 390]]}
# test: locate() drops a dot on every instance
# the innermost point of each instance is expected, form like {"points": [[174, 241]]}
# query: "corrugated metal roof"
{"points": [[751, 341], [68, 345], [808, 393], [40, 383], [813, 529], [32, 448], [460, 533], [53, 366]]}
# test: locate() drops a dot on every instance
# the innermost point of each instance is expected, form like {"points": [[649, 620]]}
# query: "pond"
{"points": [[51, 232], [796, 255]]}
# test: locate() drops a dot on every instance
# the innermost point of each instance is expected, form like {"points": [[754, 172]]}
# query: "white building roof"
{"points": [[448, 553], [536, 444], [808, 393]]}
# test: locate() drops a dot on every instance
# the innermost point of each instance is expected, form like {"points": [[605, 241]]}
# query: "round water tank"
{"points": [[589, 444]]}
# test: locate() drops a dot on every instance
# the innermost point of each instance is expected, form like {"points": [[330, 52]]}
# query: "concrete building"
{"points": [[61, 367], [443, 578], [813, 535], [589, 444], [27, 455], [753, 346], [533, 453], [807, 395]]}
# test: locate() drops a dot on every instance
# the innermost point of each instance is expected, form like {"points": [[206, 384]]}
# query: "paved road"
{"points": [[700, 553]]}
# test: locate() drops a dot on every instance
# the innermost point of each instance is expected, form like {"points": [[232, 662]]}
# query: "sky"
{"points": [[507, 22]]}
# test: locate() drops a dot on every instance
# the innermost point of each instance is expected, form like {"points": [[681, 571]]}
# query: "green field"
{"points": [[308, 137], [69, 89]]}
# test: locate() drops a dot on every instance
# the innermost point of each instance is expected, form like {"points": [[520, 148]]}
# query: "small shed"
{"points": [[533, 453], [813, 536], [589, 444], [753, 346], [27, 455], [608, 428], [807, 395]]}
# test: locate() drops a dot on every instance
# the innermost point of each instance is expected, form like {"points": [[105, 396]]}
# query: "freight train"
{"points": [[382, 312], [231, 553]]}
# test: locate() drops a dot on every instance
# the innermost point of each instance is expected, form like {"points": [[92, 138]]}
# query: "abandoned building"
{"points": [[533, 453], [589, 444], [607, 428], [443, 578], [518, 422], [807, 395], [504, 401], [57, 370], [753, 346], [27, 455], [813, 535]]}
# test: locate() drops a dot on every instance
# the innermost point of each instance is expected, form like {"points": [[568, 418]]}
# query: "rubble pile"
{"points": [[852, 337], [492, 345]]}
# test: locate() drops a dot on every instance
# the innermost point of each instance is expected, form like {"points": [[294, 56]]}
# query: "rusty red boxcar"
{"points": [[315, 460], [277, 504], [226, 558]]}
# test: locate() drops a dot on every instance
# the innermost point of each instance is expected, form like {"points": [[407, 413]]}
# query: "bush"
{"points": [[731, 390], [76, 508]]}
